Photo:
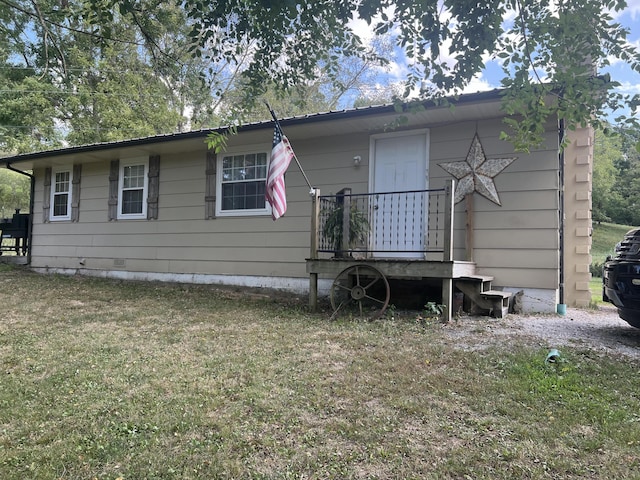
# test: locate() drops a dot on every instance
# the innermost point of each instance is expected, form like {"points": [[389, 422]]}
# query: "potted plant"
{"points": [[358, 227]]}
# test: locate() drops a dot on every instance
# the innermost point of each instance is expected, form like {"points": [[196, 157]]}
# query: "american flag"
{"points": [[281, 156]]}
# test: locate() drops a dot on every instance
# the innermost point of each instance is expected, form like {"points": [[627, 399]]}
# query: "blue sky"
{"points": [[630, 80], [630, 18]]}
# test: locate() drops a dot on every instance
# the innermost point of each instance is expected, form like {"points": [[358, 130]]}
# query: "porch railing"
{"points": [[405, 224]]}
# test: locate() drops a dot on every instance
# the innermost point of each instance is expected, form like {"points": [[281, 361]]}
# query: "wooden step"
{"points": [[477, 289], [483, 280], [477, 278], [499, 302], [497, 294]]}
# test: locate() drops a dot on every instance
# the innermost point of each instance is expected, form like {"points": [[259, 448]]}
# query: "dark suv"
{"points": [[621, 278]]}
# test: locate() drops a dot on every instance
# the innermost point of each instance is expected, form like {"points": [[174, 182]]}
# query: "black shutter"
{"points": [[75, 193], [113, 189], [46, 200], [210, 187], [154, 187]]}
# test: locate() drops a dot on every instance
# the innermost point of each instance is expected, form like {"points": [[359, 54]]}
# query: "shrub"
{"points": [[596, 268]]}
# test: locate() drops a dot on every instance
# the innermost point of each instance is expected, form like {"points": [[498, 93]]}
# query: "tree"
{"points": [[551, 50], [616, 177], [14, 193], [607, 151], [102, 75], [625, 207], [27, 102], [74, 78], [27, 113], [115, 95]]}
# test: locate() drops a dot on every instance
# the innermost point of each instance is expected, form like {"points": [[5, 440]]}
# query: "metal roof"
{"points": [[351, 113]]}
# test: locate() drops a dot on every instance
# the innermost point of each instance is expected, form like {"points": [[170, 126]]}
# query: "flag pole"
{"points": [[275, 119]]}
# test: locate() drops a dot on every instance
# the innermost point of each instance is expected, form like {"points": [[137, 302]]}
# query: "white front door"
{"points": [[400, 164]]}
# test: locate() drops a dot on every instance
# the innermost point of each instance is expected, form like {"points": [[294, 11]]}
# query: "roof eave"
{"points": [[492, 95]]}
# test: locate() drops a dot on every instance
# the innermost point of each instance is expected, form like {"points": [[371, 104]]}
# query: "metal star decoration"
{"points": [[477, 172]]}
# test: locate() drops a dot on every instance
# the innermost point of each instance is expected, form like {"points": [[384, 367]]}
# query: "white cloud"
{"points": [[478, 84], [397, 70], [361, 29], [629, 88], [633, 9]]}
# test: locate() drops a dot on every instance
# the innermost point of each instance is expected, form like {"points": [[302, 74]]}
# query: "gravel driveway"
{"points": [[600, 330]]}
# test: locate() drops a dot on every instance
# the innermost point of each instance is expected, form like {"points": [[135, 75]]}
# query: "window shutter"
{"points": [[210, 188], [75, 193], [113, 189], [46, 201], [154, 187]]}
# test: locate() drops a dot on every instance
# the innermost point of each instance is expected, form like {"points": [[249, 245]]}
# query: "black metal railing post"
{"points": [[344, 197]]}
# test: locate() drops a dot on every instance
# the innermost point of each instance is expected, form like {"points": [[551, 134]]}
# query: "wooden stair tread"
{"points": [[496, 293], [477, 278], [495, 301]]}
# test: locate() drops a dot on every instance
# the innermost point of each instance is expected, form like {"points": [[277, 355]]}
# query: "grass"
{"points": [[595, 286], [605, 237], [113, 380]]}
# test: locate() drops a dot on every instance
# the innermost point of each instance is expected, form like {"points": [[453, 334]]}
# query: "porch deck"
{"points": [[446, 272], [399, 234], [395, 235], [395, 268]]}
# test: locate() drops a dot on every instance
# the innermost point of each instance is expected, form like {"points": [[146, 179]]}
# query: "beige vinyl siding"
{"points": [[268, 269], [506, 239], [523, 200], [522, 258], [328, 162], [539, 278], [181, 240], [531, 220], [516, 243]]}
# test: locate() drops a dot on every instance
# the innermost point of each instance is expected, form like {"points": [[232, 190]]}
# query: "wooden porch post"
{"points": [[447, 283], [469, 202], [447, 298], [313, 254], [448, 220]]}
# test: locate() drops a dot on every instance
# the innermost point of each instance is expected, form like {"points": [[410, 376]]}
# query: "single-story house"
{"points": [[439, 195]]}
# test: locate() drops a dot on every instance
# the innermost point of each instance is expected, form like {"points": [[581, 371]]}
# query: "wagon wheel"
{"points": [[360, 290]]}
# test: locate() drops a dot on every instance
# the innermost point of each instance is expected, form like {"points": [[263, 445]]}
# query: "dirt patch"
{"points": [[600, 330]]}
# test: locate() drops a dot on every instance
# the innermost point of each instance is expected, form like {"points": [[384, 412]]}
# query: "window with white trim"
{"points": [[133, 184], [241, 181], [60, 204]]}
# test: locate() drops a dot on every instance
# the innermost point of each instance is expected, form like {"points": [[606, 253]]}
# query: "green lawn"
{"points": [[124, 380], [605, 238], [595, 285]]}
